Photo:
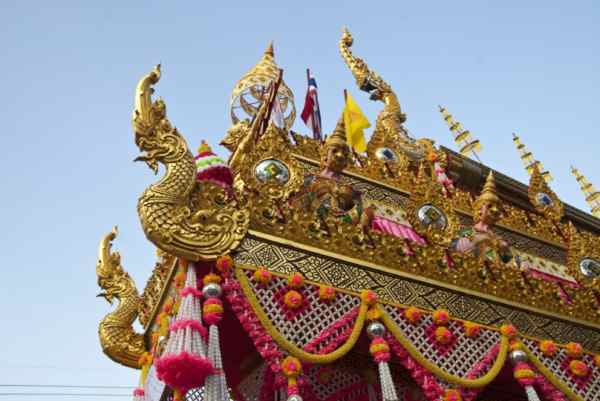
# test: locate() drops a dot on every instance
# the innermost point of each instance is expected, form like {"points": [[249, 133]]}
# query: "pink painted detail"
{"points": [[183, 371], [139, 392], [193, 324], [190, 291], [398, 230], [442, 349], [549, 392], [334, 335]]}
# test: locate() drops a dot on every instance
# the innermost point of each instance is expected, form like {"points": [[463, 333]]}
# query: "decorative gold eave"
{"points": [[417, 278]]}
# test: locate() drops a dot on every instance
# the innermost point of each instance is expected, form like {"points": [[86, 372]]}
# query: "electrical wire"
{"points": [[65, 394], [67, 386]]}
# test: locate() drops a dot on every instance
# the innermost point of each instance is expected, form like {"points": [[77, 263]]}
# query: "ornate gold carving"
{"points": [[389, 131], [428, 193], [118, 339], [253, 85], [155, 286], [272, 145], [195, 221], [583, 245], [538, 191]]}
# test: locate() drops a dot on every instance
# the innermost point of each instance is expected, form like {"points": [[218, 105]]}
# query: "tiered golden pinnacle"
{"points": [[592, 196], [528, 161], [463, 138]]}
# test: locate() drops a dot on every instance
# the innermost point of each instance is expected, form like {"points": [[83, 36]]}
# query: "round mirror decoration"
{"points": [[386, 155], [430, 215], [272, 171], [543, 199], [589, 267]]}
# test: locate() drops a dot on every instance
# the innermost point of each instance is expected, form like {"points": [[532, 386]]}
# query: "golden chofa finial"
{"points": [[251, 89], [528, 161], [462, 137], [489, 199], [592, 197]]}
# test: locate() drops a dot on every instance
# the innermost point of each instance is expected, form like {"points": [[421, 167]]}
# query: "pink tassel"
{"points": [[184, 364]]}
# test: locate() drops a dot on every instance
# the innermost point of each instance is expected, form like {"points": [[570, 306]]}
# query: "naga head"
{"points": [[114, 281], [156, 138]]}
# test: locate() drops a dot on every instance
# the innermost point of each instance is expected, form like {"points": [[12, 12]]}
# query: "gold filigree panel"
{"points": [[154, 288]]}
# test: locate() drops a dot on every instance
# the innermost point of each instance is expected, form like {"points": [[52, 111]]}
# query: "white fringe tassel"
{"points": [[216, 385], [388, 390], [531, 394]]}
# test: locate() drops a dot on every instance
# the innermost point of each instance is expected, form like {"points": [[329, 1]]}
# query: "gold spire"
{"points": [[489, 194], [592, 197], [338, 136], [248, 93], [528, 161], [462, 137]]}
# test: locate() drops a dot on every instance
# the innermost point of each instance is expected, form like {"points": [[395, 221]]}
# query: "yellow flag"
{"points": [[355, 122]]}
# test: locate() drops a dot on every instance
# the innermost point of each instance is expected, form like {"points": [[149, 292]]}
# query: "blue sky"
{"points": [[68, 71]]}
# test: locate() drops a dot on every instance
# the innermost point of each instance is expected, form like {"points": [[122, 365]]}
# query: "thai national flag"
{"points": [[311, 114]]}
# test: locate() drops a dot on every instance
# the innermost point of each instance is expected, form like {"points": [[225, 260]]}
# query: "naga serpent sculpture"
{"points": [[182, 217], [118, 339], [388, 127], [197, 221]]}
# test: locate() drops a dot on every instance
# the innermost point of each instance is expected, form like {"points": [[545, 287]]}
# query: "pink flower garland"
{"points": [[427, 381], [246, 316], [549, 392], [334, 335]]}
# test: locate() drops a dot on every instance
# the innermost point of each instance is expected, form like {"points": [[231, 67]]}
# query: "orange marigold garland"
{"points": [[443, 335], [262, 276], [548, 348], [293, 299], [327, 293], [413, 314], [441, 317], [291, 369], [597, 361], [452, 395], [579, 368], [373, 314], [472, 330], [509, 331], [295, 281], [574, 350], [224, 264], [369, 297]]}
